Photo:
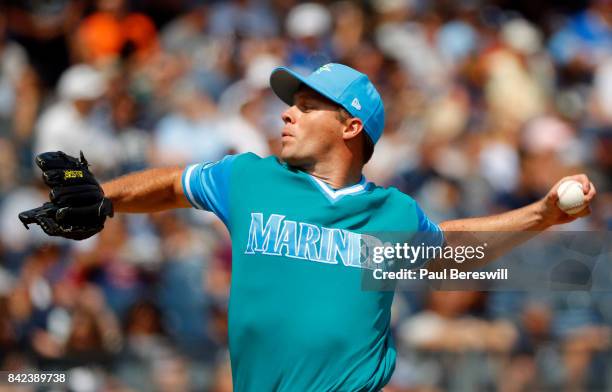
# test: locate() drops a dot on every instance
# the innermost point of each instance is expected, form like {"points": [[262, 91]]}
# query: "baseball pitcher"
{"points": [[298, 318]]}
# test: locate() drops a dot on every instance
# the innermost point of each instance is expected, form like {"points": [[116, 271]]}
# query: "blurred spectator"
{"points": [[420, 58], [309, 24], [223, 376], [207, 58], [17, 240], [70, 125], [146, 336], [134, 143], [585, 39], [106, 260], [349, 29], [243, 132], [245, 105], [454, 326], [191, 133], [242, 18], [113, 33], [507, 80], [9, 167], [185, 34], [602, 91], [94, 331], [19, 94], [452, 323], [44, 28], [171, 374], [457, 40]]}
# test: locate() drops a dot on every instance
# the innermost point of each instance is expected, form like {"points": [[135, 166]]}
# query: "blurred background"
{"points": [[488, 104]]}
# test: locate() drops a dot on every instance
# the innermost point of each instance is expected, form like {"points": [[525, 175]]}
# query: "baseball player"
{"points": [[298, 318]]}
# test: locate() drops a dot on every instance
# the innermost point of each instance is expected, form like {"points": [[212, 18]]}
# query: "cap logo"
{"points": [[326, 67], [356, 104]]}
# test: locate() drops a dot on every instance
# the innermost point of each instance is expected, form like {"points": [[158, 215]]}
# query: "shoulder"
{"points": [[237, 163], [252, 168], [391, 193], [251, 159]]}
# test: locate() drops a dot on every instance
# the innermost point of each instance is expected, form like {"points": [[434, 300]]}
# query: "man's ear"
{"points": [[354, 127]]}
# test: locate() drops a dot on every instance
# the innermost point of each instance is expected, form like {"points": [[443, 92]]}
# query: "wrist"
{"points": [[541, 218]]}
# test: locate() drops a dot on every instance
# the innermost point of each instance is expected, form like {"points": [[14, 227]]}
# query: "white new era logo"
{"points": [[326, 67], [356, 104]]}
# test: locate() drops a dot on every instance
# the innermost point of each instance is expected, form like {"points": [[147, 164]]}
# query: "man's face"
{"points": [[312, 128]]}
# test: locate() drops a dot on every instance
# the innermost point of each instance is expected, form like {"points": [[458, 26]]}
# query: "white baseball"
{"points": [[571, 197]]}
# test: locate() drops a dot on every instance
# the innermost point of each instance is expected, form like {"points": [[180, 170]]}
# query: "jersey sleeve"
{"points": [[428, 232], [207, 185]]}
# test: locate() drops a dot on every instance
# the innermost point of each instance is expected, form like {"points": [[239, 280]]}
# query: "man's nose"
{"points": [[288, 116]]}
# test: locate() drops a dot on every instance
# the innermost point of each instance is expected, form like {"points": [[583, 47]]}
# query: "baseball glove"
{"points": [[78, 208]]}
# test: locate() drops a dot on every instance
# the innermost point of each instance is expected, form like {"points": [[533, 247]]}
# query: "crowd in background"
{"points": [[488, 104]]}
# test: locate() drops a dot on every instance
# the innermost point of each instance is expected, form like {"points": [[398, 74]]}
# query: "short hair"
{"points": [[368, 146]]}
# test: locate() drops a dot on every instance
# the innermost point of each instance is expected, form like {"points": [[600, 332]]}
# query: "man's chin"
{"points": [[292, 160], [286, 154]]}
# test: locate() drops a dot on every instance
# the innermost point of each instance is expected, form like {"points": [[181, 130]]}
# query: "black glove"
{"points": [[78, 208]]}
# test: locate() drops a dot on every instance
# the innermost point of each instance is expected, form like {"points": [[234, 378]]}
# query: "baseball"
{"points": [[571, 197]]}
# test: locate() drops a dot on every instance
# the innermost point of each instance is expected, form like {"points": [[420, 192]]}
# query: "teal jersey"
{"points": [[298, 317]]}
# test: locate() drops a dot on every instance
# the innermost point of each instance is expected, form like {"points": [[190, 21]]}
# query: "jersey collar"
{"points": [[334, 195]]}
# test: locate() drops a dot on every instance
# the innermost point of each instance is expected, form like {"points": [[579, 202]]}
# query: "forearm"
{"points": [[528, 218], [500, 232], [147, 191]]}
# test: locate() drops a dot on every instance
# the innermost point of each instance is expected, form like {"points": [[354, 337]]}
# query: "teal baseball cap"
{"points": [[341, 84]]}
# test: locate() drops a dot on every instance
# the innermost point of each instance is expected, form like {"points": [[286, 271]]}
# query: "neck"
{"points": [[338, 172]]}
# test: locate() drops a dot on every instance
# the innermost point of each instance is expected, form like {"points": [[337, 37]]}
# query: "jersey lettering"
{"points": [[281, 237]]}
